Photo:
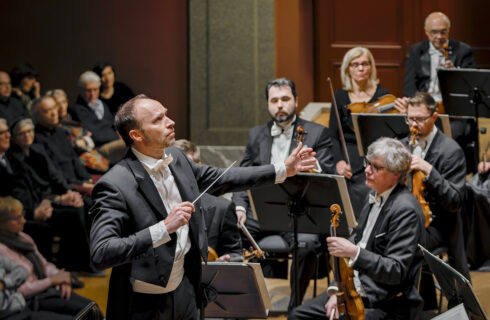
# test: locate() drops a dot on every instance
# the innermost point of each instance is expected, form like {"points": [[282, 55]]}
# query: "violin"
{"points": [[212, 254], [384, 104], [417, 183], [349, 302], [254, 252], [301, 134]]}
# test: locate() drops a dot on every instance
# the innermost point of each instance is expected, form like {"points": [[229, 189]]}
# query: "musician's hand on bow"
{"points": [[483, 167], [332, 305], [341, 247], [179, 216], [344, 169], [300, 160], [448, 64], [420, 164], [241, 217], [401, 104]]}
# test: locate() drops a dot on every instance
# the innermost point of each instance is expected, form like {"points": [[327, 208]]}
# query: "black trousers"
{"points": [[179, 304]]}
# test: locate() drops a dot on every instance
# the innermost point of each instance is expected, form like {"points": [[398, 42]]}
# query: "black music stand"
{"points": [[234, 290], [454, 285], [301, 204], [371, 126], [466, 92]]}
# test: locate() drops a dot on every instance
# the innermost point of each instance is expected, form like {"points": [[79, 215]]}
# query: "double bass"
{"points": [[349, 302]]}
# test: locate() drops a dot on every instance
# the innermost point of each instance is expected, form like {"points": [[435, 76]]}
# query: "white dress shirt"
{"points": [[436, 62], [169, 193]]}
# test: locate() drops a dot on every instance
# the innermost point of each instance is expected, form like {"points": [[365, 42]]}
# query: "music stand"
{"points": [[301, 204], [455, 286], [371, 126], [235, 290], [466, 92]]}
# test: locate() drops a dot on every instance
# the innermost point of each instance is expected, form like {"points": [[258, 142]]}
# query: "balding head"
{"points": [[45, 111], [5, 86], [437, 27]]}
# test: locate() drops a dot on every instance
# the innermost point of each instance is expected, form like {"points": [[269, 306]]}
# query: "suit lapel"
{"points": [[425, 60], [266, 144], [147, 187]]}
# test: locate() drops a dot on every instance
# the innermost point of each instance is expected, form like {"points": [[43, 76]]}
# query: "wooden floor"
{"points": [[96, 289]]}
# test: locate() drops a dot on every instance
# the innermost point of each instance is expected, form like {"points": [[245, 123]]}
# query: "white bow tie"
{"points": [[375, 199], [277, 131], [161, 164]]}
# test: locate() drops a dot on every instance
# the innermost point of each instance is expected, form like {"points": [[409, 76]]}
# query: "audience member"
{"points": [[25, 84], [12, 302], [112, 92], [57, 143], [47, 288], [48, 214], [11, 108], [81, 138], [95, 116], [219, 214]]}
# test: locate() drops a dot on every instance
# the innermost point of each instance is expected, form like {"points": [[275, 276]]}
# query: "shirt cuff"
{"points": [[240, 208], [331, 290], [317, 169], [159, 234], [352, 261], [281, 173]]}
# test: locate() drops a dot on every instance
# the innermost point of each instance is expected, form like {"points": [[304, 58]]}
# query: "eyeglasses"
{"points": [[3, 132], [19, 217], [367, 163], [357, 65], [442, 32], [23, 133], [409, 120]]}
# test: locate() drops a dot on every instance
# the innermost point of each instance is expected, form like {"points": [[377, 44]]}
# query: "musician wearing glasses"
{"points": [[382, 250], [360, 84], [442, 160], [425, 57]]}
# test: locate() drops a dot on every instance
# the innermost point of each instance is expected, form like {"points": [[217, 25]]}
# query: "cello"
{"points": [[349, 302]]}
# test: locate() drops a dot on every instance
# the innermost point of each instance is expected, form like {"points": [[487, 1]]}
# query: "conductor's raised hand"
{"points": [[179, 216], [300, 160]]}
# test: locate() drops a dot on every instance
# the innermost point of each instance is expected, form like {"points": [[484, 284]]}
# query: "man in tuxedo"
{"points": [[144, 224], [382, 250], [273, 142], [425, 57], [442, 160]]}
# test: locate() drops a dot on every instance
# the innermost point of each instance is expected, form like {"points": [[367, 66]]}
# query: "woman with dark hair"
{"points": [[113, 93], [25, 84]]}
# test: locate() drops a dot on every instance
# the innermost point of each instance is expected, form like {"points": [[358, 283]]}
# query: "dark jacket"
{"points": [[417, 71]]}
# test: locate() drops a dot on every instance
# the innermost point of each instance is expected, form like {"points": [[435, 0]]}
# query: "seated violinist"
{"points": [[382, 250], [360, 84]]}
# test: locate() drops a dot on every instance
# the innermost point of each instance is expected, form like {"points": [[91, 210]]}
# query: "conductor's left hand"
{"points": [[300, 160]]}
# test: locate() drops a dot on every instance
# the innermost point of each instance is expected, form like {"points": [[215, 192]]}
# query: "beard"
{"points": [[282, 118]]}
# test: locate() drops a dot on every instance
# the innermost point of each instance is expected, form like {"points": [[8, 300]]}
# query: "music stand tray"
{"points": [[454, 285], [371, 126], [235, 290]]}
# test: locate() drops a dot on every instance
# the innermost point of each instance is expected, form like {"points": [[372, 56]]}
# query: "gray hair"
{"points": [[56, 93], [396, 157], [87, 77], [8, 205], [4, 121], [19, 124], [350, 55], [441, 15]]}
